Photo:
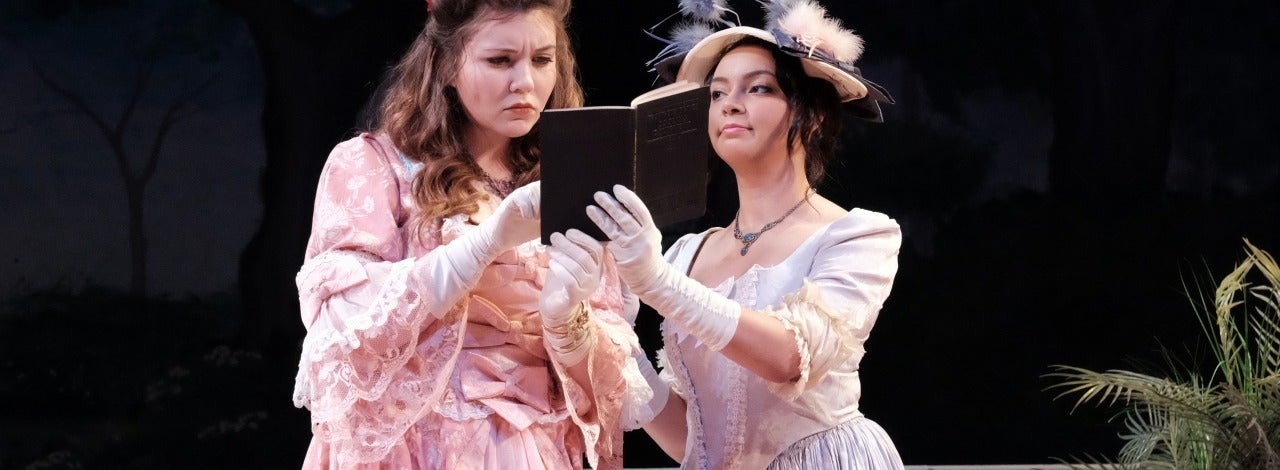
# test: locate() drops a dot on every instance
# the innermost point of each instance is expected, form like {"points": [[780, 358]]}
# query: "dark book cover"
{"points": [[658, 147]]}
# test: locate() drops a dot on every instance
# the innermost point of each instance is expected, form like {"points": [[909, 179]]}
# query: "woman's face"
{"points": [[507, 73], [749, 115]]}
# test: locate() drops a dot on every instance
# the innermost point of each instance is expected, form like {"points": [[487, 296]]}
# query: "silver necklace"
{"points": [[750, 238], [501, 187]]}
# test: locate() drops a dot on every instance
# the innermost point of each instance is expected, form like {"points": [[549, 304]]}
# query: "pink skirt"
{"points": [[491, 442]]}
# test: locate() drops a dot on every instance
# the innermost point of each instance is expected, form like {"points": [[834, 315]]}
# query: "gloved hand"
{"points": [[636, 246], [574, 275], [451, 270], [517, 219]]}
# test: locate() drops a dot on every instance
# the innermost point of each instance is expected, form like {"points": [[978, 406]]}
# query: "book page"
{"points": [[674, 88]]}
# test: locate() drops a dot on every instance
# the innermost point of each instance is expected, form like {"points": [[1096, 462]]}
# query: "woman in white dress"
{"points": [[765, 320]]}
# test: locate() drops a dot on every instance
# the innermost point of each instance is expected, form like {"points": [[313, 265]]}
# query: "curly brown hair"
{"points": [[425, 120]]}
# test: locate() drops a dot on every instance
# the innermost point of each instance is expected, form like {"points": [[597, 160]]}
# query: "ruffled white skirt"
{"points": [[856, 444]]}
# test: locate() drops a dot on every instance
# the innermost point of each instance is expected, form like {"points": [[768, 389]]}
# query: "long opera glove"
{"points": [[636, 246]]}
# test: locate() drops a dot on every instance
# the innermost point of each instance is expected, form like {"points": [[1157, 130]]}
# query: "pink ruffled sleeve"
{"points": [[614, 380], [359, 374]]}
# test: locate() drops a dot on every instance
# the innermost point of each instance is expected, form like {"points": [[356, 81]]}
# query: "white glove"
{"points": [[516, 220], [636, 246], [451, 270], [574, 275]]}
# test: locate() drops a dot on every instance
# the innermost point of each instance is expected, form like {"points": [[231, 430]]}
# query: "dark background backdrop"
{"points": [[1060, 170]]}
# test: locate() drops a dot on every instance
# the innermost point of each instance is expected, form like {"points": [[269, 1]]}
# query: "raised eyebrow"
{"points": [[746, 76], [508, 50]]}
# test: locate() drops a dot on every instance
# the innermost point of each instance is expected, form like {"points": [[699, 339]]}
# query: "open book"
{"points": [[658, 147]]}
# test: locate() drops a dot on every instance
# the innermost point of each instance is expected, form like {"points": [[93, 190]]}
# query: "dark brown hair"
{"points": [[422, 114], [814, 103]]}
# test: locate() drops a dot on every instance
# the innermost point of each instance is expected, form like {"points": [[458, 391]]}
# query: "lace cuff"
{"points": [[668, 376], [597, 407], [642, 401], [825, 338], [358, 373]]}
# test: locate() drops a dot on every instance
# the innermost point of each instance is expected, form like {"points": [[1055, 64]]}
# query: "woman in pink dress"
{"points": [[765, 320], [440, 333]]}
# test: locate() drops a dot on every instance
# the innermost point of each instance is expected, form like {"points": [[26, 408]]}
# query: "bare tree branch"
{"points": [[72, 97], [113, 136], [177, 111], [170, 117], [135, 96]]}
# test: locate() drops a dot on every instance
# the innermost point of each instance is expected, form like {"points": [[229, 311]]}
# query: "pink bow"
{"points": [[520, 395]]}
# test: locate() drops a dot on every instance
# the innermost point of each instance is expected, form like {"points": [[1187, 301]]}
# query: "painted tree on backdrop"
{"points": [[188, 32], [321, 61]]}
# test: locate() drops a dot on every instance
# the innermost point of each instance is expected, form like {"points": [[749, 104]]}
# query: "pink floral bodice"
{"points": [[382, 375]]}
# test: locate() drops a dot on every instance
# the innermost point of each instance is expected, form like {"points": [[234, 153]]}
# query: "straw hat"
{"points": [[798, 28]]}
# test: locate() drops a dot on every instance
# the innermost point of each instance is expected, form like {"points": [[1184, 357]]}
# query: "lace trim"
{"points": [[458, 410], [353, 405], [791, 390], [696, 447], [603, 438], [638, 396], [807, 302], [665, 373], [315, 346], [370, 437], [744, 291], [574, 393], [748, 287], [636, 401], [736, 418], [455, 409]]}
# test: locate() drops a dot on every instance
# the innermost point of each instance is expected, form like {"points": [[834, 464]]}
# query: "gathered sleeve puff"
{"points": [[832, 313], [358, 373]]}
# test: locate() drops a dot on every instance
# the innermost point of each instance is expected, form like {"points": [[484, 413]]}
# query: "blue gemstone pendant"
{"points": [[750, 238]]}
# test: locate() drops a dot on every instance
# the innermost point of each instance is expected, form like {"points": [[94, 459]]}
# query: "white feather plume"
{"points": [[706, 10], [809, 25], [686, 34], [682, 38], [774, 9]]}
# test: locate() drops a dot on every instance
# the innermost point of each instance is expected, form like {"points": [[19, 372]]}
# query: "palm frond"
{"points": [[1267, 340], [1230, 419], [1146, 430], [1266, 264], [1114, 386]]}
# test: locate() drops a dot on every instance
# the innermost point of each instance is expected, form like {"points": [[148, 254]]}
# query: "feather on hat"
{"points": [[800, 28]]}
